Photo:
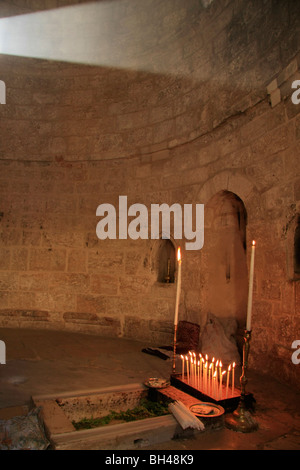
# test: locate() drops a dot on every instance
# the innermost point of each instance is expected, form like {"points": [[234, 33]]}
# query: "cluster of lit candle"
{"points": [[207, 376]]}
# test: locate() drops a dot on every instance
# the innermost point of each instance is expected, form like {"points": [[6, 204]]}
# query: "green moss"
{"points": [[146, 409]]}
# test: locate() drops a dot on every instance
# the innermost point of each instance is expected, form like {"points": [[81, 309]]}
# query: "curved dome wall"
{"points": [[173, 73], [199, 111]]}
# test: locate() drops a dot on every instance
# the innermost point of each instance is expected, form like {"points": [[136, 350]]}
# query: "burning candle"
{"points": [[213, 366], [198, 375], [205, 377], [209, 379], [195, 369], [250, 293], [220, 368], [221, 385], [191, 370], [201, 372], [215, 387], [182, 368], [232, 379], [178, 286], [220, 373], [227, 382], [187, 369]]}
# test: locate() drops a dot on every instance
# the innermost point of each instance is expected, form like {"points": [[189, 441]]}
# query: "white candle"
{"points": [[182, 368], [221, 385], [201, 372], [191, 370], [250, 293], [227, 383], [215, 387], [195, 370], [198, 375], [178, 286], [209, 379], [233, 366], [220, 374], [205, 378], [187, 368], [213, 366]]}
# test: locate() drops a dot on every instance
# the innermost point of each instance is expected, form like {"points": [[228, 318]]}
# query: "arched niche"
{"points": [[225, 273], [292, 234], [164, 261]]}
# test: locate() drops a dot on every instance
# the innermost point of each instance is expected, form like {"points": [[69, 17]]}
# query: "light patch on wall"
{"points": [[206, 3], [2, 92], [119, 33]]}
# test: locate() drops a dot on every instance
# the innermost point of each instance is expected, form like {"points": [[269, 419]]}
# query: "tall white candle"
{"points": [[182, 369], [232, 379], [250, 293], [178, 286]]}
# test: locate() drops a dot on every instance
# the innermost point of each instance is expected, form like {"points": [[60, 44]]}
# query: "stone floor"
{"points": [[46, 362]]}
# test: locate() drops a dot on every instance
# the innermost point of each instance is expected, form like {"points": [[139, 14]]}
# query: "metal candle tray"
{"points": [[229, 404]]}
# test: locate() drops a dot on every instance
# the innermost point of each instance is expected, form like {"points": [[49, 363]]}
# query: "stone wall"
{"points": [[211, 115]]}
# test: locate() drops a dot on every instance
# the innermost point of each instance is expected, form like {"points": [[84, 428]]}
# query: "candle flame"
{"points": [[217, 363], [233, 365], [220, 365], [253, 242], [229, 367], [215, 374], [178, 254], [224, 372], [210, 365], [181, 356]]}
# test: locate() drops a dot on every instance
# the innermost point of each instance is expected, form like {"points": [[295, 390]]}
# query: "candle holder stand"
{"points": [[241, 419]]}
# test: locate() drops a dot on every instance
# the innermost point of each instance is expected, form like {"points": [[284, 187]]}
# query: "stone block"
{"points": [[69, 282], [42, 259], [271, 290], [19, 257], [134, 285], [287, 72], [272, 86], [55, 301], [99, 261], [94, 304], [104, 284], [76, 261], [77, 317], [9, 281], [275, 97], [4, 258]]}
